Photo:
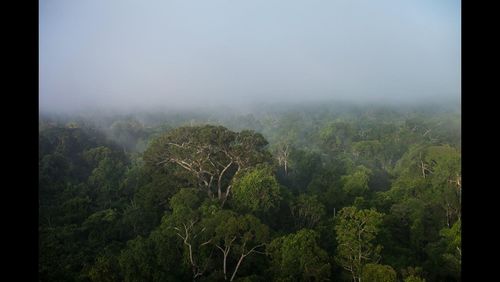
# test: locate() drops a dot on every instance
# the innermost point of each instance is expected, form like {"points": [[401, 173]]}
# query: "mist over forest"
{"points": [[250, 141]]}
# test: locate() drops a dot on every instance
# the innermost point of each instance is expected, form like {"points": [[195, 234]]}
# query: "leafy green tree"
{"points": [[60, 253], [157, 257], [238, 237], [186, 222], [412, 273], [137, 260], [257, 190], [327, 184], [370, 151], [150, 200], [426, 198], [444, 164], [303, 165], [102, 227], [410, 226], [356, 230], [105, 269], [413, 278], [337, 136], [378, 273], [75, 210], [209, 155], [108, 170], [356, 183], [307, 211], [453, 238], [298, 257], [445, 255]]}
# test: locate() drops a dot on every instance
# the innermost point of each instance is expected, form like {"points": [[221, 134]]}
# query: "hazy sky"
{"points": [[130, 54]]}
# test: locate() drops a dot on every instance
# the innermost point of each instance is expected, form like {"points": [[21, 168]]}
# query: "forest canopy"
{"points": [[311, 193]]}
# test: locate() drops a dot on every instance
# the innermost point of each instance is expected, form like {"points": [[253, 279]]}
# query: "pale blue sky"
{"points": [[129, 54]]}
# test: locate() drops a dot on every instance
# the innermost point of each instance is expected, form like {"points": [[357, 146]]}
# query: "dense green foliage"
{"points": [[316, 193], [297, 257]]}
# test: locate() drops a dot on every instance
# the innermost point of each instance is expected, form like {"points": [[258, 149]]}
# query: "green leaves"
{"points": [[201, 227], [356, 231], [307, 211], [102, 227], [105, 269], [207, 156], [297, 257], [257, 190], [413, 278], [378, 273], [446, 254], [206, 202], [356, 184]]}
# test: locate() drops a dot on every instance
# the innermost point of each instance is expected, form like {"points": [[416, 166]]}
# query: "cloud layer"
{"points": [[139, 54]]}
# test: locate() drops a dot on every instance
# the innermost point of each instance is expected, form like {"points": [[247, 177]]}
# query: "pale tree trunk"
{"points": [[219, 180], [423, 168], [225, 259], [197, 271], [243, 255], [283, 153], [225, 197], [237, 266], [225, 252], [286, 153]]}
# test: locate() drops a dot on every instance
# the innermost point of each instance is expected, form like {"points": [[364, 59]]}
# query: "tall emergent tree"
{"points": [[210, 155]]}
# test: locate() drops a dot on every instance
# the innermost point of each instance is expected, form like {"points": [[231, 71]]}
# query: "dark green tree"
{"points": [[378, 273], [298, 257]]}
